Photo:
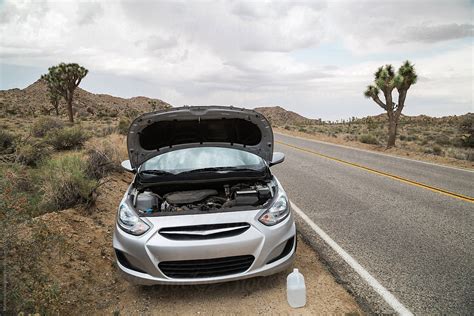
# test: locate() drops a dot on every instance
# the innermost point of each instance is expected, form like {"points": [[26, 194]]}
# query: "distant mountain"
{"points": [[278, 116], [34, 99]]}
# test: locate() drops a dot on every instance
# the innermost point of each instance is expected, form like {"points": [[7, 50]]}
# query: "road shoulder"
{"points": [[376, 149]]}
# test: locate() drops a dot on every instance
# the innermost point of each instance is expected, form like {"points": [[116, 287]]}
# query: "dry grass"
{"points": [[46, 124], [448, 140], [403, 150], [105, 155], [64, 183], [32, 153], [35, 185], [7, 141], [67, 138]]}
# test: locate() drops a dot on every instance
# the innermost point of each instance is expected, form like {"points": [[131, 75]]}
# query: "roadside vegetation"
{"points": [[60, 183], [47, 166], [426, 137]]}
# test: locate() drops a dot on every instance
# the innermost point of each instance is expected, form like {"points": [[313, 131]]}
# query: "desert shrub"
{"points": [[66, 138], [411, 138], [103, 158], [44, 125], [368, 139], [466, 127], [31, 153], [467, 140], [17, 185], [131, 113], [435, 150], [287, 127], [470, 156], [30, 289], [350, 137], [442, 140], [430, 136], [64, 182], [107, 130], [458, 153], [123, 126], [7, 141]]}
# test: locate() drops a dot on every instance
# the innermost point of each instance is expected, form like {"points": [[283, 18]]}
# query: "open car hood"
{"points": [[156, 133]]}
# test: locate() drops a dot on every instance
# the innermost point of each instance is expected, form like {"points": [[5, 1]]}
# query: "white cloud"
{"points": [[381, 26], [241, 52], [436, 33]]}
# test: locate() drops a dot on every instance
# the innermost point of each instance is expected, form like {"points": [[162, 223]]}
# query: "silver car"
{"points": [[203, 206]]}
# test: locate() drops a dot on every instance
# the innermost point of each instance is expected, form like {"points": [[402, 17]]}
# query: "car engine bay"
{"points": [[160, 200]]}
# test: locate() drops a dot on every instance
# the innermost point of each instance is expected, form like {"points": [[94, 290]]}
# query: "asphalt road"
{"points": [[417, 243]]}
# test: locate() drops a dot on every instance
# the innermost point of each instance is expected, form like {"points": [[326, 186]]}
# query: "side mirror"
{"points": [[127, 166], [277, 158]]}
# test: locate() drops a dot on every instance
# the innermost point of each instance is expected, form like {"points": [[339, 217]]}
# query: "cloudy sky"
{"points": [[312, 57]]}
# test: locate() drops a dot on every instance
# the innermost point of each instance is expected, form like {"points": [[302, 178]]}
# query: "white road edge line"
{"points": [[388, 297]]}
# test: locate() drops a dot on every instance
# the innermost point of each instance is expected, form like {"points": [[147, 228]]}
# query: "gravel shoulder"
{"points": [[253, 296]]}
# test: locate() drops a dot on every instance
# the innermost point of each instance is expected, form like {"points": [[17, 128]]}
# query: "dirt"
{"points": [[84, 268], [400, 152]]}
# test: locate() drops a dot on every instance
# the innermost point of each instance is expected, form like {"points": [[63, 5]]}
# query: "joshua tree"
{"points": [[64, 79], [386, 80], [54, 98]]}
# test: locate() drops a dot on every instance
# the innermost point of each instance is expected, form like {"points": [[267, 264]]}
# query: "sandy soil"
{"points": [[392, 151], [85, 270]]}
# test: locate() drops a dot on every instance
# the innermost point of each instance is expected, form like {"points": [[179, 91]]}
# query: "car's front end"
{"points": [[205, 248], [204, 211]]}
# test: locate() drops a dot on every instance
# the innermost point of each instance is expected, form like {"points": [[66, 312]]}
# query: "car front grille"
{"points": [[206, 268], [200, 232]]}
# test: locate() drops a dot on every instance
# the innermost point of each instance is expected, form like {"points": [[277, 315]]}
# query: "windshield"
{"points": [[190, 159]]}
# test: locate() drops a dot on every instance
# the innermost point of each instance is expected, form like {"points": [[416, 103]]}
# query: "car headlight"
{"points": [[130, 222], [277, 212]]}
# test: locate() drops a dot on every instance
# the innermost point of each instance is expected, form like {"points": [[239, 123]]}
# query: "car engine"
{"points": [[228, 196]]}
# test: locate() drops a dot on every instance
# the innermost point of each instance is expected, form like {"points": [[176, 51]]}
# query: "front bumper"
{"points": [[265, 243]]}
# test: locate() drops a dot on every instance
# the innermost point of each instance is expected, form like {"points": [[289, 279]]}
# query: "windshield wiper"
{"points": [[211, 169], [157, 172], [242, 169], [219, 169]]}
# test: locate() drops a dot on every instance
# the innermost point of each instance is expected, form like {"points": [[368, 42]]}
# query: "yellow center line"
{"points": [[385, 174]]}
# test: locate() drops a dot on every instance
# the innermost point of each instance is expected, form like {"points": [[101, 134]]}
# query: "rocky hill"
{"points": [[454, 120], [34, 99], [278, 116]]}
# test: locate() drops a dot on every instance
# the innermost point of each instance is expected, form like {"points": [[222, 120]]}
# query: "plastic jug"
{"points": [[296, 289]]}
